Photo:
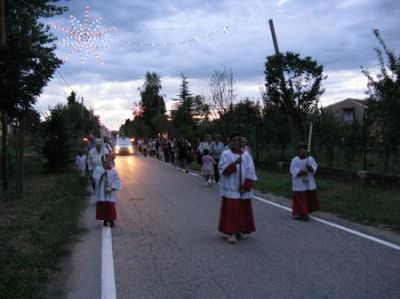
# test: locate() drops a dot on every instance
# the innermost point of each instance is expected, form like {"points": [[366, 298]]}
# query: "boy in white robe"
{"points": [[107, 183], [237, 177], [304, 194]]}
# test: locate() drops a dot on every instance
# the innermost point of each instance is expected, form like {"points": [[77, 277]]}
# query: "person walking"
{"points": [[217, 147], [237, 177], [304, 189], [80, 162], [207, 168], [107, 183], [95, 158]]}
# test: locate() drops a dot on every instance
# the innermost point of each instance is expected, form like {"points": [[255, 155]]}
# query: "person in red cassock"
{"points": [[238, 174]]}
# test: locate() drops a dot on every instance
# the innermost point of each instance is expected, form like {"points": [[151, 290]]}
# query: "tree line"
{"points": [[289, 102], [28, 62]]}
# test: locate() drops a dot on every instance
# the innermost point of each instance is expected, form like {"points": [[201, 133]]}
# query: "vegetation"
{"points": [[63, 130], [369, 205], [27, 63], [36, 228], [384, 104]]}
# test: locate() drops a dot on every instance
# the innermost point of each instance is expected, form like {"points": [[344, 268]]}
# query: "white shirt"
{"points": [[94, 159], [202, 146], [216, 149], [112, 179], [230, 185], [307, 182]]}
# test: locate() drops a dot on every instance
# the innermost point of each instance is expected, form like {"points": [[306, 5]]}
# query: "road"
{"points": [[166, 245]]}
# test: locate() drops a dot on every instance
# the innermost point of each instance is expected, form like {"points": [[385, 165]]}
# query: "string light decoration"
{"points": [[85, 38], [225, 30]]}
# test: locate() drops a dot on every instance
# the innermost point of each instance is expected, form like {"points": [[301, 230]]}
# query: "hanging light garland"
{"points": [[224, 30], [85, 38]]}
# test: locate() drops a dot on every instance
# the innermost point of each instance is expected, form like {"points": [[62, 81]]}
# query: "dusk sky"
{"points": [[235, 34]]}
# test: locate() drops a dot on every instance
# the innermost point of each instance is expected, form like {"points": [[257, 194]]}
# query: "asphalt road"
{"points": [[166, 245]]}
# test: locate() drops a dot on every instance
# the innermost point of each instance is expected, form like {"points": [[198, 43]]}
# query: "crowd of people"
{"points": [[231, 165]]}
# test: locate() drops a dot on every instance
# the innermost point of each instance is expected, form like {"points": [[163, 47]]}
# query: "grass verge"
{"points": [[356, 202], [34, 230]]}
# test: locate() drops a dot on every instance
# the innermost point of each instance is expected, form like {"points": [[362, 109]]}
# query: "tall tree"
{"points": [[28, 62], [293, 84], [384, 101], [222, 96], [182, 114], [152, 103]]}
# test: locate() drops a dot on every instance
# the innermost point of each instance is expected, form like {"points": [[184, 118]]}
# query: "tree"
{"points": [[384, 101], [293, 85], [222, 95], [63, 129], [182, 114], [27, 64], [152, 103], [328, 132], [58, 139]]}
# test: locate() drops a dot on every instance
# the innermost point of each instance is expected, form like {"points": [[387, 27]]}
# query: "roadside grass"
{"points": [[35, 230], [370, 205]]}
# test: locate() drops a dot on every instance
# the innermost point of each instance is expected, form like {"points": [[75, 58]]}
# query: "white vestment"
{"points": [[111, 180], [307, 182], [230, 185]]}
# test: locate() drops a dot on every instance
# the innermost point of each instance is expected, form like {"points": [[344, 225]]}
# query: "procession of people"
{"points": [[230, 165]]}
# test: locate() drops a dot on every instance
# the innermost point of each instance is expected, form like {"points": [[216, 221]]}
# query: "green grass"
{"points": [[360, 203], [34, 230]]}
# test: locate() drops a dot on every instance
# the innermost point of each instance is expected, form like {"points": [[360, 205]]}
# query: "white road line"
{"points": [[349, 230], [107, 266]]}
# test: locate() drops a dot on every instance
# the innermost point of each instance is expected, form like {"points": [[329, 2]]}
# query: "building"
{"points": [[349, 110]]}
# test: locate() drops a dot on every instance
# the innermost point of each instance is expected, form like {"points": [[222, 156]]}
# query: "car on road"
{"points": [[123, 145]]}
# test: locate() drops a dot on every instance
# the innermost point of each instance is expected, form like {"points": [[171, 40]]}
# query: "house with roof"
{"points": [[349, 110]]}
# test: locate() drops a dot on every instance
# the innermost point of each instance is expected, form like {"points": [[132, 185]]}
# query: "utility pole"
{"points": [[288, 108], [4, 122], [271, 26]]}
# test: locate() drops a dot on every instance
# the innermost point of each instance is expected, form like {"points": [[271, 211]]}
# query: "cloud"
{"points": [[338, 34]]}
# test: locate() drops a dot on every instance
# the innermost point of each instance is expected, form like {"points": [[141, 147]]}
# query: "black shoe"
{"points": [[111, 223], [105, 223]]}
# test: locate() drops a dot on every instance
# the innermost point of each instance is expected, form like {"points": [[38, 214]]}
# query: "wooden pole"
{"points": [[309, 137], [274, 39]]}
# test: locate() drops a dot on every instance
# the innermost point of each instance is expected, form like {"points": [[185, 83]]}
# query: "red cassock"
{"points": [[304, 202], [236, 216], [105, 210]]}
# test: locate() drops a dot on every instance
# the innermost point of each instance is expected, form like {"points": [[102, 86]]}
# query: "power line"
{"points": [[65, 81]]}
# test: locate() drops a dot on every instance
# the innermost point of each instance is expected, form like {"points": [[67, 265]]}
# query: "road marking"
{"points": [[340, 227], [351, 231], [107, 266]]}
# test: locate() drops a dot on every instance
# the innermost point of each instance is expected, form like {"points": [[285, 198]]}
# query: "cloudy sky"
{"points": [[197, 37]]}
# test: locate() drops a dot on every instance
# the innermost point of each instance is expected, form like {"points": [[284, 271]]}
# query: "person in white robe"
{"points": [[107, 183], [238, 174], [303, 168]]}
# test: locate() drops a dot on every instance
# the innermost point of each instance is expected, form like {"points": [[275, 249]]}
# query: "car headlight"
{"points": [[130, 147], [117, 147]]}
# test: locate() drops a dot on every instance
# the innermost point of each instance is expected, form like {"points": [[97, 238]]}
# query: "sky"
{"points": [[199, 37]]}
